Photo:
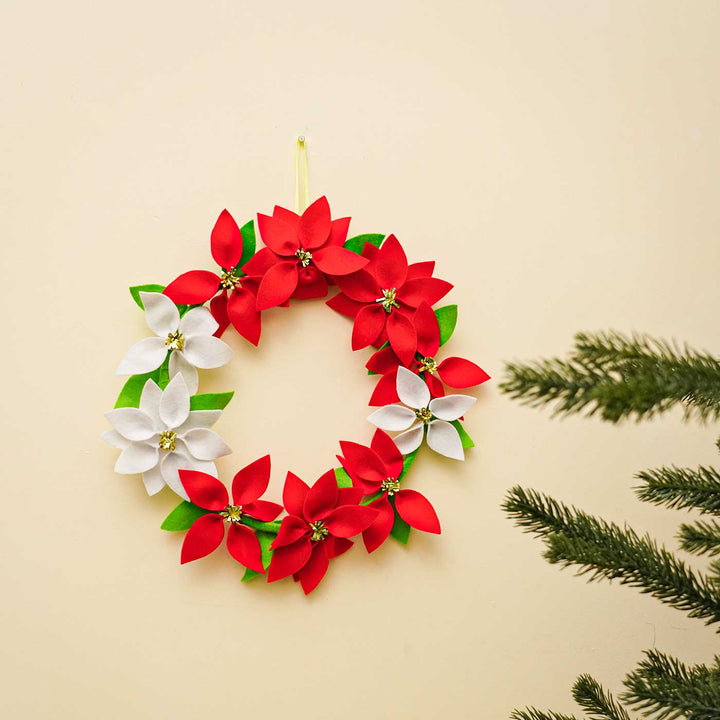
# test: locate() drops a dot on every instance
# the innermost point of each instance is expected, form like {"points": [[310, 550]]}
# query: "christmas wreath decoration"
{"points": [[162, 425]]}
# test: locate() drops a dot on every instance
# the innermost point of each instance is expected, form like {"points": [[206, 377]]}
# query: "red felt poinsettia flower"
{"points": [[301, 251], [383, 298], [233, 300], [320, 520], [207, 531], [455, 372], [379, 469]]}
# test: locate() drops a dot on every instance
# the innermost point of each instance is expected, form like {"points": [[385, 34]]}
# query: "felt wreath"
{"points": [[162, 425]]}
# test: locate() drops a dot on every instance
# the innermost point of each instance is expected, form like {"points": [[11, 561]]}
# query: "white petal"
{"points": [[409, 440], [175, 403], [204, 444], [169, 466], [443, 438], [150, 402], [131, 423], [178, 364], [451, 407], [143, 356], [199, 419], [153, 480], [393, 417], [136, 458], [207, 352], [115, 439], [161, 314], [411, 389], [205, 466], [198, 321]]}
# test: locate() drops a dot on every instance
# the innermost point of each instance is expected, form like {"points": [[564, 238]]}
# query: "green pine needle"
{"points": [[701, 538], [680, 488], [534, 714], [597, 703]]}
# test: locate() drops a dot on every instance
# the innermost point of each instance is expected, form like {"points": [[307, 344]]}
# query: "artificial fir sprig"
{"points": [[680, 488]]}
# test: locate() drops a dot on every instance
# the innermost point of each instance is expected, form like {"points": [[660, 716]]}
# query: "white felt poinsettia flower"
{"points": [[188, 338], [421, 411], [163, 436]]}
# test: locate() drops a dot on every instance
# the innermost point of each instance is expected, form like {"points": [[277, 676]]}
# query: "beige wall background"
{"points": [[560, 160]]}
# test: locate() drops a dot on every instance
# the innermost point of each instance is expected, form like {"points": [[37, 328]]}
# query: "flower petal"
{"points": [[377, 533], [243, 314], [421, 269], [277, 285], [198, 321], [391, 456], [336, 546], [411, 389], [292, 528], [143, 356], [153, 480], [369, 323], [131, 423], [437, 389], [392, 417], [428, 290], [207, 352], [115, 439], [170, 465], [444, 439], [360, 286], [280, 237], [150, 403], [383, 361], [390, 265], [244, 546], [263, 510], [175, 403], [161, 314], [338, 261], [358, 485], [451, 407], [138, 457], [199, 419], [218, 308], [416, 511], [428, 330], [460, 373], [261, 262], [402, 337], [202, 538], [226, 243], [179, 365], [287, 216], [321, 498], [338, 231], [385, 392], [410, 440], [294, 494], [314, 569], [287, 560], [364, 463], [314, 228], [193, 288], [204, 490], [344, 305], [311, 283], [349, 520], [205, 444], [251, 482]]}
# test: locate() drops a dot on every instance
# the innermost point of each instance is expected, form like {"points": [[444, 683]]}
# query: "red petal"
{"points": [[202, 538], [193, 288], [416, 510], [292, 528], [277, 285], [280, 237], [428, 330], [243, 545], [263, 510], [370, 251], [311, 283], [460, 373], [226, 243], [218, 309], [338, 231], [287, 216], [349, 520], [289, 559], [204, 490], [336, 546], [434, 385], [338, 261], [385, 392], [359, 485], [364, 463], [421, 269], [378, 532], [251, 482], [390, 265], [383, 361], [349, 496], [388, 451], [344, 305], [360, 286], [261, 262], [242, 311], [294, 494], [369, 323], [315, 568], [315, 224], [420, 290], [402, 337], [321, 498]]}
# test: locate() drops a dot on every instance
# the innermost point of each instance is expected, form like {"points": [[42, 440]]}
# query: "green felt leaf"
{"points": [[357, 243], [266, 554], [182, 517], [135, 291], [132, 389], [211, 401], [408, 460], [467, 441], [343, 479], [249, 243], [447, 319], [400, 529]]}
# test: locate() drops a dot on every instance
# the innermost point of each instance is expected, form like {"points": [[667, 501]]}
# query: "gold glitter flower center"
{"points": [[229, 280], [388, 300], [232, 514], [424, 414], [175, 341], [390, 486], [319, 531], [167, 440], [304, 257], [428, 365]]}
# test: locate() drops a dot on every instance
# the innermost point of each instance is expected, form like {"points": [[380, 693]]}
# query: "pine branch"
{"points": [[604, 550], [620, 377], [599, 705], [667, 689], [535, 714], [680, 488], [701, 538]]}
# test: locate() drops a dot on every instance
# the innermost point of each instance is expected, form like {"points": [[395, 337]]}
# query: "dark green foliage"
{"points": [[597, 703], [702, 538], [681, 488]]}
